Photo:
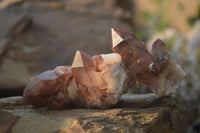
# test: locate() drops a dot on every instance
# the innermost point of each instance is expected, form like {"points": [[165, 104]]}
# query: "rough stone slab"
{"points": [[163, 115]]}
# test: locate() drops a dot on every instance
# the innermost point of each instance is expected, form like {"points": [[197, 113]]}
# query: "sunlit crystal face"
{"points": [[88, 77], [119, 35], [90, 81], [62, 69], [84, 72]]}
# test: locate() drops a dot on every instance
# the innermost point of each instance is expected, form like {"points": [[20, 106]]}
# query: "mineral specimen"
{"points": [[92, 82], [101, 79], [158, 70]]}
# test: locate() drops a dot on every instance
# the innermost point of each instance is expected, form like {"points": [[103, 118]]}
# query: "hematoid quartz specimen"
{"points": [[99, 81], [93, 82], [157, 69]]}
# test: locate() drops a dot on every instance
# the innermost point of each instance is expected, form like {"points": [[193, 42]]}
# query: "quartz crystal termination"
{"points": [[158, 70], [100, 79]]}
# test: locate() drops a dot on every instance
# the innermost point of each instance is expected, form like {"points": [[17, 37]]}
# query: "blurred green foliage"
{"points": [[157, 21], [180, 7], [169, 42], [139, 35], [192, 20]]}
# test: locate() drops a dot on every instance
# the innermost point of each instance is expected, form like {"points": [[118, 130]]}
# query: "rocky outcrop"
{"points": [[134, 113]]}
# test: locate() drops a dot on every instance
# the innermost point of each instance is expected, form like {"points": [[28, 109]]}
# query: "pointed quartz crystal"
{"points": [[84, 72], [90, 83], [135, 57], [170, 73], [145, 67], [94, 78], [161, 56]]}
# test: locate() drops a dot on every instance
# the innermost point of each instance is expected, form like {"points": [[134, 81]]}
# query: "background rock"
{"points": [[164, 115]]}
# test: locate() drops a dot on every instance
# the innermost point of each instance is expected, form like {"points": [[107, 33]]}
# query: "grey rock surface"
{"points": [[163, 115]]}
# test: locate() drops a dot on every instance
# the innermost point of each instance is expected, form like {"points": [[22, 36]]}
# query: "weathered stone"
{"points": [[147, 114], [21, 25], [93, 7], [6, 3]]}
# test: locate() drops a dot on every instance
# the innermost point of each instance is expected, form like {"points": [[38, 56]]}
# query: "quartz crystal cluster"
{"points": [[92, 82], [155, 67], [99, 81]]}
